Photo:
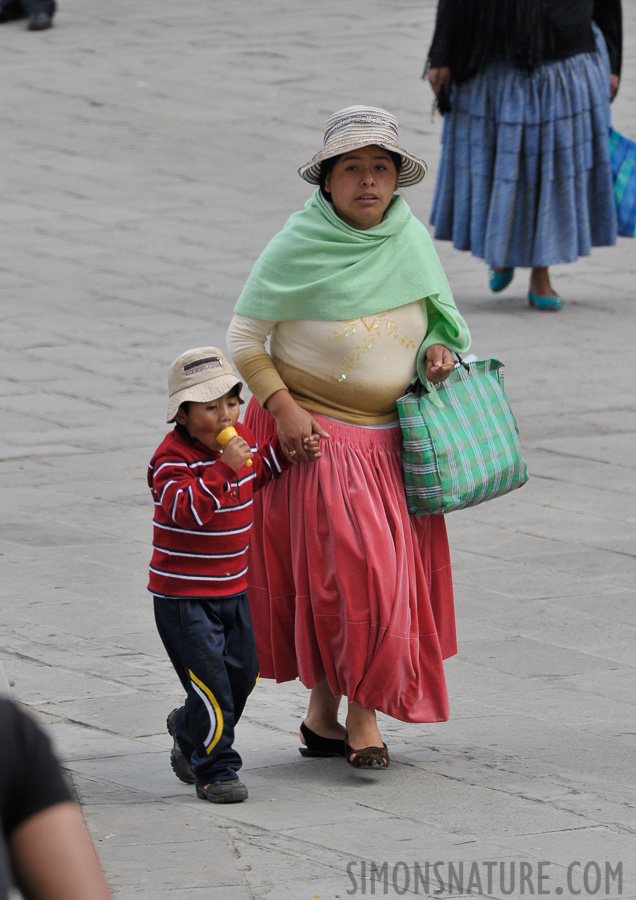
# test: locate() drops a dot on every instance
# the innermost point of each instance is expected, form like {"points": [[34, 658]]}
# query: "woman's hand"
{"points": [[439, 78], [439, 363], [614, 82], [297, 429]]}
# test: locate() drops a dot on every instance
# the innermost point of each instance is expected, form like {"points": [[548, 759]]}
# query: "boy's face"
{"points": [[205, 420]]}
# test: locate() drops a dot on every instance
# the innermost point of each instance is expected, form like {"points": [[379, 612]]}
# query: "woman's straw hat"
{"points": [[360, 126]]}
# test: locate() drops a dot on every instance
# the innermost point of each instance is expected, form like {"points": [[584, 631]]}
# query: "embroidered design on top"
{"points": [[366, 332]]}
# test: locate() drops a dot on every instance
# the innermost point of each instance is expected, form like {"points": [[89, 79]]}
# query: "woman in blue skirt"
{"points": [[524, 177]]}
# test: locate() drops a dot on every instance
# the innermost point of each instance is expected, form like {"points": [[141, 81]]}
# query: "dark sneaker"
{"points": [[40, 21], [178, 760], [223, 791]]}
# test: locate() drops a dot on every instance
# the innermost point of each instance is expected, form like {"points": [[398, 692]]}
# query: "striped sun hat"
{"points": [[360, 126]]}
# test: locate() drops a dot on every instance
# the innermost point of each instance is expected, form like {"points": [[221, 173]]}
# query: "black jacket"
{"points": [[470, 33]]}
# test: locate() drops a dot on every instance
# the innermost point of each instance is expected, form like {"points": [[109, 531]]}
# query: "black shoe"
{"points": [[315, 745], [178, 760], [222, 791], [40, 21]]}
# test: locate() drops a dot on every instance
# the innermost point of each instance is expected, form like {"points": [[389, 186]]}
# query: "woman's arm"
{"points": [[246, 339], [608, 16], [438, 68], [246, 342], [440, 52]]}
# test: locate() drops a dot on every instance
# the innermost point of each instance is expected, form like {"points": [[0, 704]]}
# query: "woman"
{"points": [[347, 591], [524, 177]]}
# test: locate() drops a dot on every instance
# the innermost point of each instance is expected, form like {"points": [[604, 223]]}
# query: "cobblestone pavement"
{"points": [[149, 153]]}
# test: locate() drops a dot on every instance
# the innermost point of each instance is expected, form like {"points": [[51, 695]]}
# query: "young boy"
{"points": [[203, 515]]}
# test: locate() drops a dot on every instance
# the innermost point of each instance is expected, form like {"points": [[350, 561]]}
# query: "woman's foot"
{"points": [[499, 278], [368, 757], [541, 294], [315, 745], [539, 302], [365, 747], [321, 721], [540, 284]]}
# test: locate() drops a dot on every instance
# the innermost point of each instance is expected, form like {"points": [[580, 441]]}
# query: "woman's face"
{"points": [[362, 183]]}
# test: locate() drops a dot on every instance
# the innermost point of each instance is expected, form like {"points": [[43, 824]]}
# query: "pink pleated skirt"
{"points": [[344, 584]]}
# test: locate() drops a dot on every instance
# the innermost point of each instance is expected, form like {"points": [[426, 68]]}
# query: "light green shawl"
{"points": [[318, 267]]}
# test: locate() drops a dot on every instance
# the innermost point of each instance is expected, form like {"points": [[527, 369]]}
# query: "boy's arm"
{"points": [[188, 499], [269, 460]]}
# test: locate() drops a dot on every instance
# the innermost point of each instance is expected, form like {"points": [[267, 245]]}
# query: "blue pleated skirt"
{"points": [[524, 177]]}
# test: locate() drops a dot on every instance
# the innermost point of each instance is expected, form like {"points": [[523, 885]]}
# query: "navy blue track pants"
{"points": [[211, 646]]}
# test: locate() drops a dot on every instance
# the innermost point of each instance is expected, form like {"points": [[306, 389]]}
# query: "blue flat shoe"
{"points": [[499, 280], [544, 302]]}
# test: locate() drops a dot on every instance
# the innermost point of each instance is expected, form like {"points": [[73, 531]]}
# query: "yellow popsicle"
{"points": [[226, 435]]}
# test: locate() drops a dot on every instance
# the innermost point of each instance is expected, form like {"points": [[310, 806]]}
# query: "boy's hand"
{"points": [[311, 446], [236, 452]]}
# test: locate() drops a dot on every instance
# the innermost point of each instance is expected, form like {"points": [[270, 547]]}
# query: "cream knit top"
{"points": [[352, 370]]}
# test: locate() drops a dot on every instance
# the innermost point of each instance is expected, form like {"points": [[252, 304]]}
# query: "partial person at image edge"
{"points": [[524, 177], [39, 12], [48, 846]]}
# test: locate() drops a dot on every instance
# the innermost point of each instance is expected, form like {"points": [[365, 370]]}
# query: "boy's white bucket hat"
{"points": [[201, 375], [361, 126]]}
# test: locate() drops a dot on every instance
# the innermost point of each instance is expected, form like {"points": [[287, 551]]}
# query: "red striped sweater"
{"points": [[203, 515]]}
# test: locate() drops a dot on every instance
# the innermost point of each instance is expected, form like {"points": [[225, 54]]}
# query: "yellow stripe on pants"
{"points": [[214, 711]]}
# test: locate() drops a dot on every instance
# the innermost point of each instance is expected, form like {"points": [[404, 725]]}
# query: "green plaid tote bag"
{"points": [[623, 163], [461, 447]]}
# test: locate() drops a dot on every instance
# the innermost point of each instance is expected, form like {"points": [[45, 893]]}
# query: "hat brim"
{"points": [[204, 393], [412, 170]]}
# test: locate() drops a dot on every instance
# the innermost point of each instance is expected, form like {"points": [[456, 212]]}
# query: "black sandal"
{"points": [[368, 757], [318, 746]]}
